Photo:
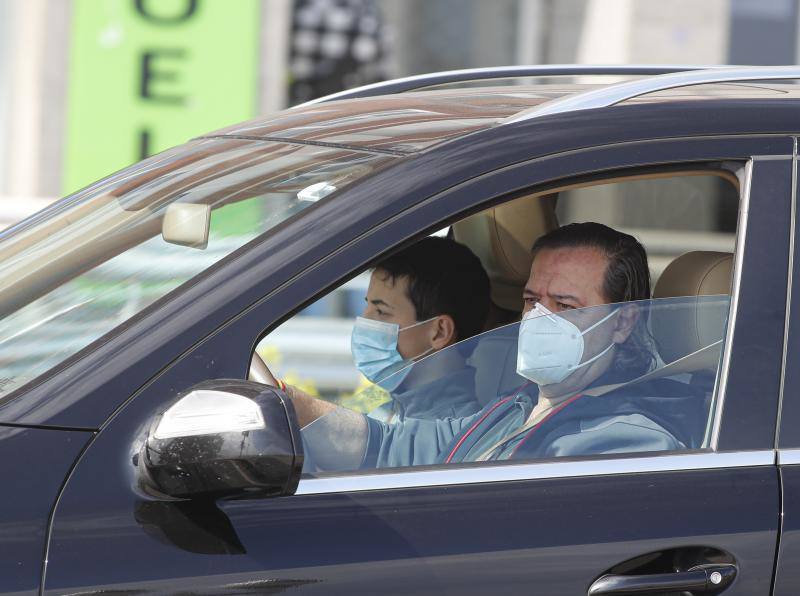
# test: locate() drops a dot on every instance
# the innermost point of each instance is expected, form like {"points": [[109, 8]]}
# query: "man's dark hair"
{"points": [[444, 278], [627, 278]]}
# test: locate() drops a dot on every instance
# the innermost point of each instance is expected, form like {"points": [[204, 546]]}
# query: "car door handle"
{"points": [[697, 580]]}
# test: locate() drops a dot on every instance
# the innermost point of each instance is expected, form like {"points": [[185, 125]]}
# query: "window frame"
{"points": [[710, 457], [629, 463], [676, 460], [489, 472]]}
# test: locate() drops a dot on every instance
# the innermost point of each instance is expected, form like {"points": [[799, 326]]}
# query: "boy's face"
{"points": [[388, 301]]}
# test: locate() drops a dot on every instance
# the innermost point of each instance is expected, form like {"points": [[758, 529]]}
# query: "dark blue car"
{"points": [[144, 454]]}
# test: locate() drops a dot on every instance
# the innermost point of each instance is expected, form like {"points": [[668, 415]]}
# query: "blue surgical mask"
{"points": [[374, 348], [550, 347]]}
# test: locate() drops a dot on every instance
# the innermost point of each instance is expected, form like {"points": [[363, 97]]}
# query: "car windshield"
{"points": [[81, 268], [642, 377]]}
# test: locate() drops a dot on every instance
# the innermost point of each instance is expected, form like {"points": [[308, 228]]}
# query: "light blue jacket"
{"points": [[450, 396], [655, 416]]}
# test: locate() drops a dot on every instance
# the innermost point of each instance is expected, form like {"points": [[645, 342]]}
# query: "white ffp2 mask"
{"points": [[550, 347]]}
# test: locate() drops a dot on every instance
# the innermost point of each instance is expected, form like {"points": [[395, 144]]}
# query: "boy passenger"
{"points": [[420, 300]]}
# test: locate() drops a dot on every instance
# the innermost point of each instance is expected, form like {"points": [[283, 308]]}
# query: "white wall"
{"points": [[674, 32], [6, 63]]}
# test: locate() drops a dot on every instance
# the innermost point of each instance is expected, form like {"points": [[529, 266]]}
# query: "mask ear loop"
{"points": [[427, 352], [593, 358], [417, 324], [601, 321], [430, 350], [604, 352]]}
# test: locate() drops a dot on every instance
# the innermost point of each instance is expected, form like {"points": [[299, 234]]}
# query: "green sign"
{"points": [[149, 74]]}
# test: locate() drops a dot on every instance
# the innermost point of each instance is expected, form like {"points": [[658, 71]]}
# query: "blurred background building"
{"points": [[88, 87]]}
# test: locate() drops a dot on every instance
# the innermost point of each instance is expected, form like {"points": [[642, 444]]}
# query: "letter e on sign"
{"points": [[146, 75]]}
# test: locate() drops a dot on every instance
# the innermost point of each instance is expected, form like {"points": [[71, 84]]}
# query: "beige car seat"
{"points": [[689, 333], [684, 331], [502, 238], [689, 336]]}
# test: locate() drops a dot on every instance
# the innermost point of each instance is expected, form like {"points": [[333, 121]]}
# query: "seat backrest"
{"points": [[689, 336], [697, 273], [502, 238]]}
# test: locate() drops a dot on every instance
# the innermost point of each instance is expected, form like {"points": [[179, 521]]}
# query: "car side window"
{"points": [[619, 378], [583, 376]]}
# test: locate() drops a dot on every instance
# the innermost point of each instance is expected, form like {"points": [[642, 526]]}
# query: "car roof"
{"points": [[401, 123], [410, 122]]}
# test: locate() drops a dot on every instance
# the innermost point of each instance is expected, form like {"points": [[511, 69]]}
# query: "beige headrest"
{"points": [[682, 330], [697, 273], [502, 238]]}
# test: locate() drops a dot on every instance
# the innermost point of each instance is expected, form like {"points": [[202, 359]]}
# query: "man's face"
{"points": [[566, 279], [388, 301]]}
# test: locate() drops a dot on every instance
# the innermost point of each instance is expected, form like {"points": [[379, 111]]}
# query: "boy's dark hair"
{"points": [[444, 278], [627, 278]]}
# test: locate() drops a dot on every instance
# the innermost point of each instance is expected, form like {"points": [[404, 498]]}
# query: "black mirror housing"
{"points": [[223, 438]]}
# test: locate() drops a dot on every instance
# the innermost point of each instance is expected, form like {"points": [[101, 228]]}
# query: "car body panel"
{"points": [[787, 573], [34, 466], [551, 536], [754, 371], [788, 435]]}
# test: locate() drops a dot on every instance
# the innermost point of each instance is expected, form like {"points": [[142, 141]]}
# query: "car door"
{"points": [[787, 578], [547, 528]]}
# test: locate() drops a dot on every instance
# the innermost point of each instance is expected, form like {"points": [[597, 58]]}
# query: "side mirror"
{"points": [[223, 438]]}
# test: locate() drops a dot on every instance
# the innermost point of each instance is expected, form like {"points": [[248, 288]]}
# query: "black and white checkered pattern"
{"points": [[335, 45]]}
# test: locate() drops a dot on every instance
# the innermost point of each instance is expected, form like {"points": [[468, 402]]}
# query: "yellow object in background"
{"points": [[366, 397]]}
